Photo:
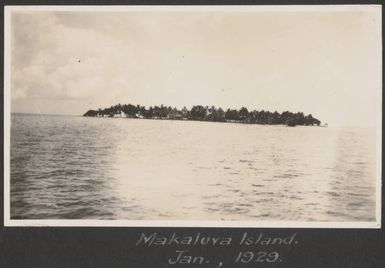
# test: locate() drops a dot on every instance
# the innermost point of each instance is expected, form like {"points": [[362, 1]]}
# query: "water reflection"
{"points": [[73, 167]]}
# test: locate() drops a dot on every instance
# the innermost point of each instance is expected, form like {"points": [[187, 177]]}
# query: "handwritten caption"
{"points": [[250, 248]]}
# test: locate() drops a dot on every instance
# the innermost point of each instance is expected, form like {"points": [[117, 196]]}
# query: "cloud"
{"points": [[304, 61], [53, 61]]}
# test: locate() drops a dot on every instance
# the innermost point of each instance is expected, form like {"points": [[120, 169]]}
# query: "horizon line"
{"points": [[79, 115]]}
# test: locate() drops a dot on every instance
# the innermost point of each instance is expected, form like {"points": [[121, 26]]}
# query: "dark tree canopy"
{"points": [[206, 113]]}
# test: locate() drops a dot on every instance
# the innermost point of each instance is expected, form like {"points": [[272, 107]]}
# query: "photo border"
{"points": [[174, 223]]}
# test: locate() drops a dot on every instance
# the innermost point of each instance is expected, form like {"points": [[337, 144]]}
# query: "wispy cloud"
{"points": [[325, 63]]}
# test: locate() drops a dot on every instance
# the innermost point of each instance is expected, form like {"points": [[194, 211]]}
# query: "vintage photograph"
{"points": [[264, 116]]}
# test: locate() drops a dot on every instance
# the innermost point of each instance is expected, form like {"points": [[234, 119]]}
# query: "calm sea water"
{"points": [[67, 167]]}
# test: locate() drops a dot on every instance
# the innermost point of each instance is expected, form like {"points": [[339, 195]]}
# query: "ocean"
{"points": [[73, 167]]}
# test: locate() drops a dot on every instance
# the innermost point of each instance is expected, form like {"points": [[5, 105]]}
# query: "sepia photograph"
{"points": [[196, 116]]}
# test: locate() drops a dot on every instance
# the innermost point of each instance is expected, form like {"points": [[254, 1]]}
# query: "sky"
{"points": [[322, 62]]}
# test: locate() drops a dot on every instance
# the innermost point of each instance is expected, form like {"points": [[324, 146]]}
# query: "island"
{"points": [[206, 113]]}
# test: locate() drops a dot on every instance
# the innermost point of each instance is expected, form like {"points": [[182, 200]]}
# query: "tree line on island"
{"points": [[206, 113]]}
